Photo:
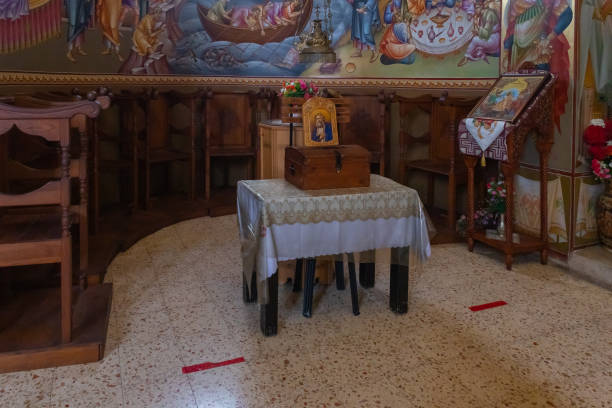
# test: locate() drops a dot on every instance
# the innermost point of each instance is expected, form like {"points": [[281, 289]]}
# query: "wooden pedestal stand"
{"points": [[535, 120]]}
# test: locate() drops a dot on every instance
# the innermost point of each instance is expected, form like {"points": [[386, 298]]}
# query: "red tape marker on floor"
{"points": [[487, 306], [207, 365]]}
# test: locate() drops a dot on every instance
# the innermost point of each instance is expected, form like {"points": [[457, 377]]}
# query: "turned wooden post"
{"points": [[470, 162], [66, 265], [544, 146], [84, 198], [452, 180], [192, 138], [509, 170]]}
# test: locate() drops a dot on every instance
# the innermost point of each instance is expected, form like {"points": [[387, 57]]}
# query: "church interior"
{"points": [[306, 203]]}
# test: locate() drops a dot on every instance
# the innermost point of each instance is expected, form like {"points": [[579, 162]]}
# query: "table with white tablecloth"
{"points": [[280, 222]]}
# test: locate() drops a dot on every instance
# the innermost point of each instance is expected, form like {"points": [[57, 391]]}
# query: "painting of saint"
{"points": [[396, 45], [366, 18], [251, 38], [322, 129], [79, 18], [596, 45], [535, 35], [485, 42], [320, 125], [109, 14], [508, 97]]}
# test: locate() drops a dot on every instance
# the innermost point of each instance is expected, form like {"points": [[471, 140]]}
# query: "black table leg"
{"points": [[249, 292], [339, 275], [353, 284], [311, 264], [297, 281], [398, 288], [367, 273], [269, 312]]}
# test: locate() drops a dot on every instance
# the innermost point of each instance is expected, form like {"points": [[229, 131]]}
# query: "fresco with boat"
{"points": [[254, 38]]}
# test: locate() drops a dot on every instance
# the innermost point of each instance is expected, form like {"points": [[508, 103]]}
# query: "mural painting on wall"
{"points": [[535, 35], [258, 38], [527, 207], [587, 193]]}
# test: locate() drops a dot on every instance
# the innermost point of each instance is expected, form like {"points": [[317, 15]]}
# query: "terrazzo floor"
{"points": [[177, 301]]}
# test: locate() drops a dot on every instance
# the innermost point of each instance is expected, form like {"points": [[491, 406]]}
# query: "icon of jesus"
{"points": [[322, 130]]}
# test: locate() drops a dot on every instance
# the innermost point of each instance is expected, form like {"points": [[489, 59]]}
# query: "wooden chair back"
{"points": [[229, 121]]}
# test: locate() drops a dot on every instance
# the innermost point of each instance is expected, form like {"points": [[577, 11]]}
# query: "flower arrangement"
{"points": [[488, 216], [299, 88], [598, 136], [496, 196]]}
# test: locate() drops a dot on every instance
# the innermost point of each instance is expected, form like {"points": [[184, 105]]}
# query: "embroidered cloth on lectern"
{"points": [[468, 146], [484, 131]]}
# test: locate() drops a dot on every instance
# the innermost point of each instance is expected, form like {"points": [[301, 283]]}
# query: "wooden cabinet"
{"points": [[368, 126], [229, 126], [229, 141], [443, 149], [273, 138]]}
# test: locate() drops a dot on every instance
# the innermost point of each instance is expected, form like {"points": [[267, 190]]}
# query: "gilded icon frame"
{"points": [[320, 108], [532, 82]]}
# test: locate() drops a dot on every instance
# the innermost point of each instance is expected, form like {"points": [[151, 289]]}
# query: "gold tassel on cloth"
{"points": [[483, 161]]}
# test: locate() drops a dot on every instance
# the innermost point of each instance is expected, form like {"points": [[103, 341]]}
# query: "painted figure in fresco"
{"points": [[439, 3], [291, 10], [535, 35], [147, 31], [250, 17], [218, 13], [109, 14], [416, 7], [365, 17], [396, 45], [322, 130], [282, 13], [487, 27], [127, 7], [79, 16], [13, 9], [596, 44]]}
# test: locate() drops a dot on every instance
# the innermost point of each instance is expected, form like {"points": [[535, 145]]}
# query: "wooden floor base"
{"points": [[30, 329], [119, 229]]}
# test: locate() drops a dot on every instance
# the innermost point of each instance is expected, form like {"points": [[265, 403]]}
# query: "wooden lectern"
{"points": [[535, 119]]}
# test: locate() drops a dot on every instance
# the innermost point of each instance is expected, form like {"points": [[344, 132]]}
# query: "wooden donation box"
{"points": [[518, 106], [328, 167], [273, 139]]}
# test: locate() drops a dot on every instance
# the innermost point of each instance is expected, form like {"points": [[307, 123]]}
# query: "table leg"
{"points": [[339, 264], [353, 284], [398, 288], [269, 311], [311, 264], [367, 270], [398, 284], [249, 296], [297, 281]]}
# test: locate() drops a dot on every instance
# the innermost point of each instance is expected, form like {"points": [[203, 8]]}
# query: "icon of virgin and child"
{"points": [[258, 16]]}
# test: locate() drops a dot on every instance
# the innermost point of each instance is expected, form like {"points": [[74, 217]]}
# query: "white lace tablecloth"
{"points": [[279, 222]]}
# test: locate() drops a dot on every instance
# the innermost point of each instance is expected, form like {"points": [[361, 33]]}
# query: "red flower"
{"points": [[599, 152], [596, 165], [595, 135]]}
